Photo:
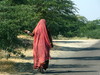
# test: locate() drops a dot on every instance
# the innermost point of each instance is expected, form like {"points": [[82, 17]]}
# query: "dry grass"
{"points": [[7, 66], [25, 37], [17, 64], [11, 67]]}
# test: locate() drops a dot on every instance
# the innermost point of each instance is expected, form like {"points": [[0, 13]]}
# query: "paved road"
{"points": [[75, 58]]}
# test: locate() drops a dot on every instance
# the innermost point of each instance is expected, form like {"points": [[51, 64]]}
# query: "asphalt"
{"points": [[75, 58]]}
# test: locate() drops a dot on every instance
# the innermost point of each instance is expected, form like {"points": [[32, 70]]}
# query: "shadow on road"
{"points": [[69, 66], [62, 48], [68, 41], [77, 58], [54, 71]]}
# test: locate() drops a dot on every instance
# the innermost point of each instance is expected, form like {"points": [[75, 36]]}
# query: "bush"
{"points": [[93, 34], [13, 20]]}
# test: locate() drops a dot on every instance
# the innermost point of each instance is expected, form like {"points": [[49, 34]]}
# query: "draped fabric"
{"points": [[41, 46]]}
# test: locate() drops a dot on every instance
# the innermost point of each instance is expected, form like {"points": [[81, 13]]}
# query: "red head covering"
{"points": [[41, 44]]}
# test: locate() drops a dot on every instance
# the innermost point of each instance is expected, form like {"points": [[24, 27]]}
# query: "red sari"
{"points": [[42, 44]]}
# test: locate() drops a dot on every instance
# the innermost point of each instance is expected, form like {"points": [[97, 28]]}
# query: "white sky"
{"points": [[88, 8]]}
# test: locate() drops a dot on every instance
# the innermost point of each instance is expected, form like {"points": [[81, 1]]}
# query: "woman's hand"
{"points": [[26, 31], [29, 33]]}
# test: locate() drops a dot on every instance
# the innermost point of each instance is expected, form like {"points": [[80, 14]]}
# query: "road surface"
{"points": [[75, 57]]}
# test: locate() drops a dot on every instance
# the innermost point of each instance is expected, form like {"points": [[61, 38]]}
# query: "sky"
{"points": [[88, 8]]}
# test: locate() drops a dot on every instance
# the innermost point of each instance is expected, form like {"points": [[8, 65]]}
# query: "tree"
{"points": [[13, 20], [58, 13], [93, 29], [82, 24], [17, 15]]}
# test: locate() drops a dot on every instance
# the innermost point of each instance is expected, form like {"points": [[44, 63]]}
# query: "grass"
{"points": [[16, 65], [7, 66], [11, 67], [25, 37]]}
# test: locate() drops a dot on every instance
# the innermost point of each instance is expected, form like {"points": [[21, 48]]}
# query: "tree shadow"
{"points": [[25, 43], [61, 48], [28, 58], [77, 58], [24, 67], [14, 68], [69, 66], [68, 41], [67, 71]]}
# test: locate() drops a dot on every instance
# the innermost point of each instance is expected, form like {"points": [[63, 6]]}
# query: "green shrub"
{"points": [[13, 20]]}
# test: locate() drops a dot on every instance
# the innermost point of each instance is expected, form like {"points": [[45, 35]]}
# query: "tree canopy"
{"points": [[58, 14], [18, 15]]}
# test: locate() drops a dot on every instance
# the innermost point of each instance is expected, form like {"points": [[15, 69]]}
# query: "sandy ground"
{"points": [[69, 57]]}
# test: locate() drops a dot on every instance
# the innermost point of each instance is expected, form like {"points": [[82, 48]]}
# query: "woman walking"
{"points": [[41, 45]]}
